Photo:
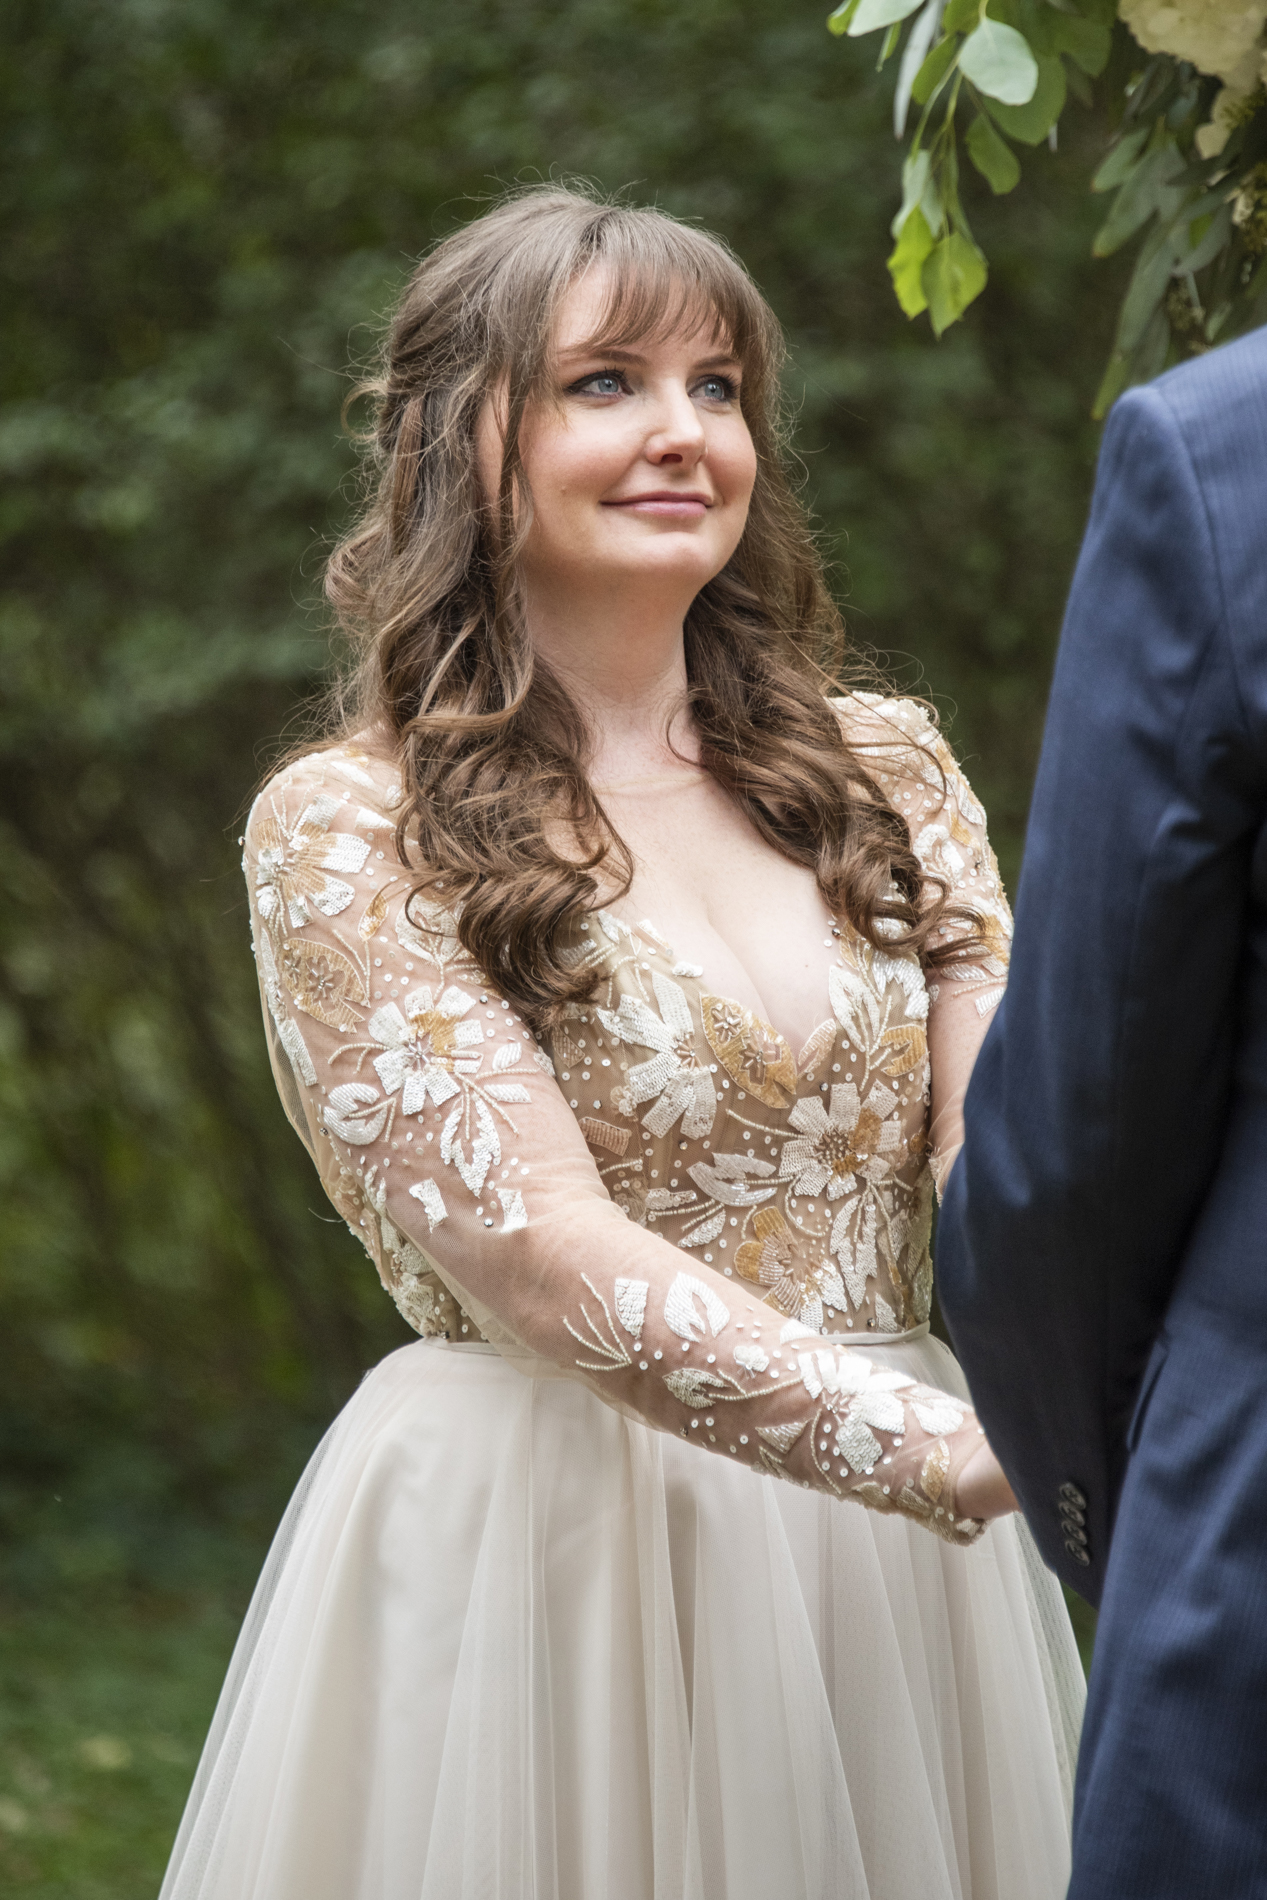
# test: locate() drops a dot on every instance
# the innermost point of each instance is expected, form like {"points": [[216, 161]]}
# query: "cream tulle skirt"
{"points": [[509, 1645]]}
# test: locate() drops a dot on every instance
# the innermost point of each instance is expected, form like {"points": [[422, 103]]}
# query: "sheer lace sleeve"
{"points": [[434, 1117], [917, 771]]}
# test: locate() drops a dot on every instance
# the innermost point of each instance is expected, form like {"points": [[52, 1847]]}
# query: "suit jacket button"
{"points": [[1074, 1538], [1078, 1554], [1075, 1497], [1071, 1514]]}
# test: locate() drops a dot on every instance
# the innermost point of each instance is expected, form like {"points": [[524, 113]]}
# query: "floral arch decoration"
{"points": [[1187, 170]]}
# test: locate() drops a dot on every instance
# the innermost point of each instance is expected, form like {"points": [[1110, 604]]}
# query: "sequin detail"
{"points": [[785, 1200]]}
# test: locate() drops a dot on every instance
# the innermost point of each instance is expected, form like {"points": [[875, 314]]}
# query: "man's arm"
{"points": [[1096, 1110]]}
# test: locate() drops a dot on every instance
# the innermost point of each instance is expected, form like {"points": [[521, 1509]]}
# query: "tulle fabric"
{"points": [[512, 1645]]}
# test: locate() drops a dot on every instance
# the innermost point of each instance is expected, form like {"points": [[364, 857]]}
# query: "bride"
{"points": [[624, 990]]}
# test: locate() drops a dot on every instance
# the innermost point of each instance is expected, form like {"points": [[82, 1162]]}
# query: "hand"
{"points": [[981, 1490]]}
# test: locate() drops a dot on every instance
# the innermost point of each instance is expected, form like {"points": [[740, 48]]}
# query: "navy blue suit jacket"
{"points": [[1102, 1253]]}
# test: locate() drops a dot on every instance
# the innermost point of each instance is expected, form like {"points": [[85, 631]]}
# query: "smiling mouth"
{"points": [[663, 502]]}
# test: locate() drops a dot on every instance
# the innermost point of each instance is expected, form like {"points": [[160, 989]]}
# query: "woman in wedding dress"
{"points": [[624, 989]]}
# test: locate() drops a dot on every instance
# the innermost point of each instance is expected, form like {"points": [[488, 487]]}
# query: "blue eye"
{"points": [[607, 382], [718, 389]]}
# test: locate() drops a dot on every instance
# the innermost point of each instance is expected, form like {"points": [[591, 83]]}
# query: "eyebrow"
{"points": [[614, 352]]}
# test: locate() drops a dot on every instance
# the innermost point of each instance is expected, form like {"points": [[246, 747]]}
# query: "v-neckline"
{"points": [[651, 928]]}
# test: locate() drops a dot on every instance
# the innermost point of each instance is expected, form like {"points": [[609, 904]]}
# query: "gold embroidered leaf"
{"points": [[909, 1043], [323, 982], [872, 1495], [372, 918], [604, 1135], [768, 1221], [936, 1469], [752, 1053], [816, 1050], [748, 1261]]}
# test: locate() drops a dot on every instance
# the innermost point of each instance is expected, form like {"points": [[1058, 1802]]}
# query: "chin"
{"points": [[676, 556]]}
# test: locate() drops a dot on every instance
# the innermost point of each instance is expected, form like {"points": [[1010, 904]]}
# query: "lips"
{"points": [[664, 501]]}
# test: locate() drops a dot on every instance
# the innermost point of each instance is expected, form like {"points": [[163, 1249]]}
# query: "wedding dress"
{"points": [[536, 1626]]}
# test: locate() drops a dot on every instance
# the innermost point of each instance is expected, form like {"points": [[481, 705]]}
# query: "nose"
{"points": [[677, 437]]}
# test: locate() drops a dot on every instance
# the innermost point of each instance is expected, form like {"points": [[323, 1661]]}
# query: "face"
{"points": [[641, 467]]}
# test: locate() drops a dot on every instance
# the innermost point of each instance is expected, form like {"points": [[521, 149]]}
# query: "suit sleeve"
{"points": [[1096, 1109]]}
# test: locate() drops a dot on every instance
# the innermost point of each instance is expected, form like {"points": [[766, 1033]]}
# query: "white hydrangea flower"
{"points": [[1221, 37]]}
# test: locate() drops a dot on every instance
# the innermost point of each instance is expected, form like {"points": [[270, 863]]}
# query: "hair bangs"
{"points": [[491, 750], [664, 278]]}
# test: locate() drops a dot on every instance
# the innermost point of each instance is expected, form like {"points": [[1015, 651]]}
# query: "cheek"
{"points": [[575, 460], [735, 465]]}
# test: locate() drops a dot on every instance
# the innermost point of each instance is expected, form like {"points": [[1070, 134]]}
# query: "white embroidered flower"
{"points": [[940, 854], [860, 1396], [937, 1413], [674, 1079], [841, 1146], [790, 1282], [292, 867], [427, 929], [425, 1048]]}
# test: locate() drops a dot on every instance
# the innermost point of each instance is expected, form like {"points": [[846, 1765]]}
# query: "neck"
{"points": [[622, 659]]}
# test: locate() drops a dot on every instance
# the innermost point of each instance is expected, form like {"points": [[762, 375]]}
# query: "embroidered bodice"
{"points": [[664, 1197]]}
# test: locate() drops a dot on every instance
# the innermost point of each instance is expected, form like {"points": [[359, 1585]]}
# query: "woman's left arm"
{"points": [[948, 834]]}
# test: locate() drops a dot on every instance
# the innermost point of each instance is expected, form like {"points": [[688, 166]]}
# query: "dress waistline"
{"points": [[878, 1339], [837, 1339]]}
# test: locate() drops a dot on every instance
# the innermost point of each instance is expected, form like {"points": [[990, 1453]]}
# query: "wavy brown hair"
{"points": [[492, 751]]}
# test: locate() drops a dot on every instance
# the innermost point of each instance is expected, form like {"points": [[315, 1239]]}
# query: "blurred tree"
{"points": [[207, 201]]}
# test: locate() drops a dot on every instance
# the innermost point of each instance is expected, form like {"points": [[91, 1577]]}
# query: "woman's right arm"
{"points": [[436, 1123]]}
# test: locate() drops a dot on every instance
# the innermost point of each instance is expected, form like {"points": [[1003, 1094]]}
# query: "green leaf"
{"points": [[1148, 358], [961, 16], [915, 177], [1116, 377], [1146, 190], [997, 59], [918, 45], [1121, 160], [919, 188], [933, 71], [1149, 282], [1201, 240], [1079, 85], [1032, 122], [954, 273], [889, 45], [907, 262], [1087, 42], [992, 156], [870, 14], [838, 22]]}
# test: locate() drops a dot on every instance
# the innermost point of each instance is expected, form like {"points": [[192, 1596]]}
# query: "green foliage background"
{"points": [[207, 202]]}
